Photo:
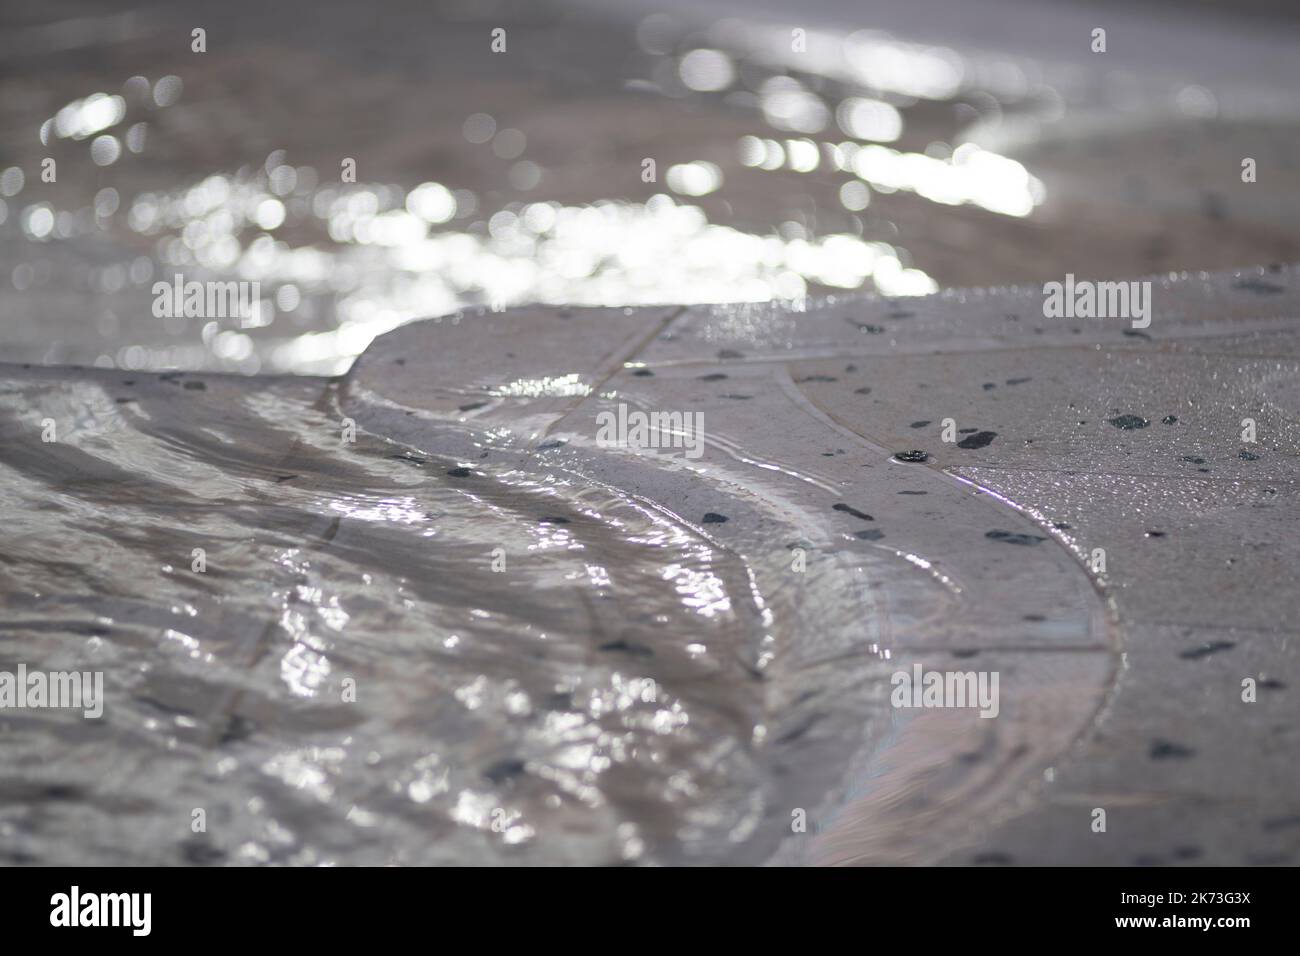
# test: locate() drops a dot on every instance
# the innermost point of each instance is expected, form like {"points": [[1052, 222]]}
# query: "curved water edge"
{"points": [[603, 699], [636, 685], [872, 599]]}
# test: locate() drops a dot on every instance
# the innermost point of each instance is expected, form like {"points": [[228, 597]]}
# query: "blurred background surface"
{"points": [[895, 147]]}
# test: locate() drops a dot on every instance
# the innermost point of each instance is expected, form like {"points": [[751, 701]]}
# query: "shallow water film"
{"points": [[339, 657], [648, 434]]}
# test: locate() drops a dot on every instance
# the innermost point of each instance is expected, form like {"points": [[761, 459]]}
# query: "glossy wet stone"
{"points": [[977, 440]]}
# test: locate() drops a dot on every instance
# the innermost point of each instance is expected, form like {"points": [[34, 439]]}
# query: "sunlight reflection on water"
{"points": [[339, 263]]}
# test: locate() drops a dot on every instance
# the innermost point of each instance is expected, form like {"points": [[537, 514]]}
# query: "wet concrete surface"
{"points": [[1122, 680], [763, 591], [676, 656]]}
